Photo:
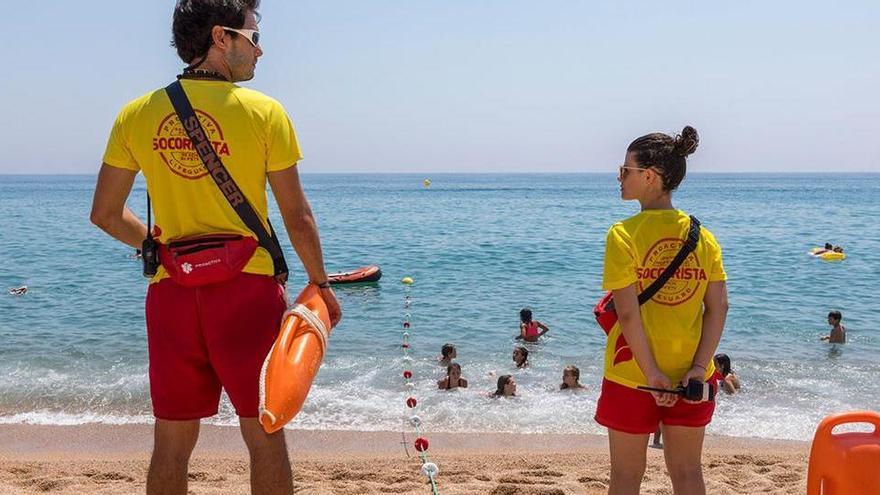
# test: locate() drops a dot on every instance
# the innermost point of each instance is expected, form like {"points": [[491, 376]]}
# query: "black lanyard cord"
{"points": [[149, 219]]}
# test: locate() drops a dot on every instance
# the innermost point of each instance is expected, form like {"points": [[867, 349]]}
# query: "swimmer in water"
{"points": [[530, 330], [18, 291], [506, 387], [453, 378], [571, 376], [838, 331], [729, 382], [447, 353], [520, 357]]}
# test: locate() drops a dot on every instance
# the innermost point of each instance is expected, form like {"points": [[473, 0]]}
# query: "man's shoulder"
{"points": [[250, 96], [146, 100]]}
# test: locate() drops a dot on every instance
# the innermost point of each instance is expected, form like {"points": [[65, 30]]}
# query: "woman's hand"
{"points": [[695, 373], [659, 380]]}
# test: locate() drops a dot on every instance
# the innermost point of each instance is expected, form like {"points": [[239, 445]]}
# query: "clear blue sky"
{"points": [[478, 86]]}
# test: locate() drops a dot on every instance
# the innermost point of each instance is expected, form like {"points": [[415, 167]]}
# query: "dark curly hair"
{"points": [[194, 19], [666, 154]]}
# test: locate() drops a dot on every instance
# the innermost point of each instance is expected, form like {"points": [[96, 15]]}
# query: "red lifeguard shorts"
{"points": [[634, 411], [202, 339]]}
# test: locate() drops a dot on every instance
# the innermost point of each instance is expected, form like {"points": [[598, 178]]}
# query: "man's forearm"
{"points": [[126, 228], [303, 233]]}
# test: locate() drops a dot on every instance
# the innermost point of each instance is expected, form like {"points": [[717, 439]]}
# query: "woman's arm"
{"points": [[714, 315], [544, 328], [626, 302]]}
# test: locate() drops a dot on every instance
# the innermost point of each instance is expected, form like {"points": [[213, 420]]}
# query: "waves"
{"points": [[73, 350]]}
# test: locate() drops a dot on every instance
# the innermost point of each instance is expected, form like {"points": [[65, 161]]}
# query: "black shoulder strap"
{"points": [[202, 145], [689, 245]]}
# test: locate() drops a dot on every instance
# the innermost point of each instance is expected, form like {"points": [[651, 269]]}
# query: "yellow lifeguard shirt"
{"points": [[251, 134], [637, 251]]}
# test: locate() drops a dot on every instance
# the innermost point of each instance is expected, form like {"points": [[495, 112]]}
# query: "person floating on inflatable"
{"points": [[828, 253], [827, 249], [530, 330]]}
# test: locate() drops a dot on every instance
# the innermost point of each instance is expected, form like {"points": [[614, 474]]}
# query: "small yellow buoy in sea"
{"points": [[407, 281], [426, 182]]}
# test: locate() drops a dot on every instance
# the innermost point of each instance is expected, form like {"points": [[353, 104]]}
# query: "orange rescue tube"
{"points": [[294, 359], [845, 463]]}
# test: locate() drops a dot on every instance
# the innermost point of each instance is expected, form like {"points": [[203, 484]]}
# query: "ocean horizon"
{"points": [[479, 246]]}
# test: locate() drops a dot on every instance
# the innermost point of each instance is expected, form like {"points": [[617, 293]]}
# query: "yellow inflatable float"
{"points": [[826, 255], [294, 360]]}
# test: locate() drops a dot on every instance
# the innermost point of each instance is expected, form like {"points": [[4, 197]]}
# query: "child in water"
{"points": [[520, 357], [453, 378], [571, 376], [729, 382], [506, 387], [447, 353], [838, 331], [529, 328]]}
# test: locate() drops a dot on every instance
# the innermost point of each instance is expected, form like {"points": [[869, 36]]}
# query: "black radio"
{"points": [[695, 391], [150, 256]]}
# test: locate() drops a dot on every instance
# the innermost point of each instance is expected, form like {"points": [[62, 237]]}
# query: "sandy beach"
{"points": [[109, 459]]}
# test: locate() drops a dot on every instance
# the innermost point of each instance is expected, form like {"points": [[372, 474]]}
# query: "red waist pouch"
{"points": [[605, 313], [206, 259]]}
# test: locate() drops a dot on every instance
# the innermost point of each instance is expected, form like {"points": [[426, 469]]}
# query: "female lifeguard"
{"points": [[672, 337]]}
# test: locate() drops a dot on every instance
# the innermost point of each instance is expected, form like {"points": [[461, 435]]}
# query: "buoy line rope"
{"points": [[429, 469]]}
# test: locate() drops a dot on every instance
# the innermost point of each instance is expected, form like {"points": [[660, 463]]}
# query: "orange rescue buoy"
{"points": [[845, 463], [294, 359]]}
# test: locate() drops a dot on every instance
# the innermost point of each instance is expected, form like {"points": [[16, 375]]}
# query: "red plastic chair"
{"points": [[845, 463]]}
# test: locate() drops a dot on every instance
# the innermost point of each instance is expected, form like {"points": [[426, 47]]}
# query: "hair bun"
{"points": [[686, 142]]}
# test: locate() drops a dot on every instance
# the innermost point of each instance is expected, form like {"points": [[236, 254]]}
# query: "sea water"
{"points": [[479, 247]]}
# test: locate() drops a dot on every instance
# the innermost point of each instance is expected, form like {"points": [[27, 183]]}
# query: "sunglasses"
{"points": [[622, 170], [252, 35]]}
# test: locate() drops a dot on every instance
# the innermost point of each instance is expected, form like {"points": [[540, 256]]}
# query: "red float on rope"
{"points": [[411, 402], [407, 374], [405, 346], [421, 444], [406, 324]]}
